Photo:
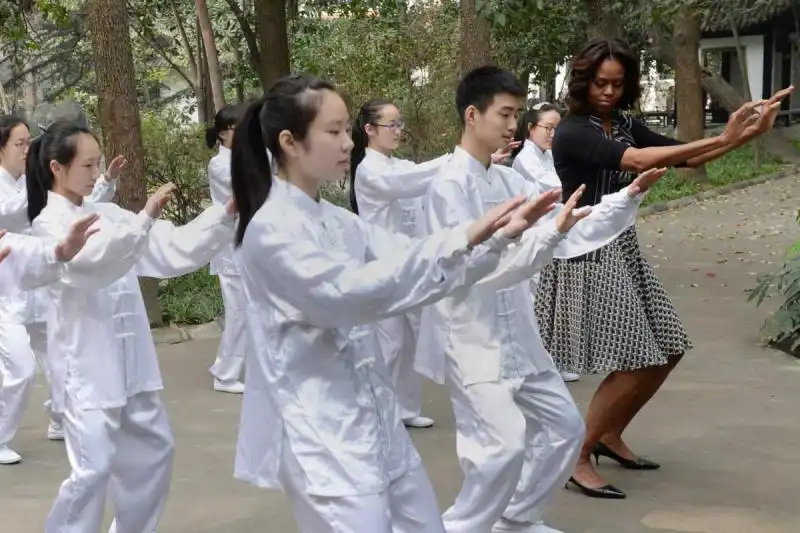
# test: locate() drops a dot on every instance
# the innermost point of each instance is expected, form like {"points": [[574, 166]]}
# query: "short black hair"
{"points": [[584, 68], [479, 86]]}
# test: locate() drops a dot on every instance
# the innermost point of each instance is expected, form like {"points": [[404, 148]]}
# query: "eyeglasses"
{"points": [[548, 129], [394, 126]]}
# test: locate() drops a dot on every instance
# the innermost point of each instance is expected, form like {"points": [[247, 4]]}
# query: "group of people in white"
{"points": [[336, 314]]}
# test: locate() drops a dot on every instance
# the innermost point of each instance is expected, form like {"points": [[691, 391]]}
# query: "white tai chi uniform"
{"points": [[116, 429], [537, 166], [390, 193], [503, 384], [319, 418], [23, 333], [233, 345]]}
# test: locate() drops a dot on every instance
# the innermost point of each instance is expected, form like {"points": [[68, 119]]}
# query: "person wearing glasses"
{"points": [[389, 192], [533, 158]]}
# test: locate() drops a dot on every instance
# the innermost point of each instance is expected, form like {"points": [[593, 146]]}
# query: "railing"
{"points": [[664, 119]]}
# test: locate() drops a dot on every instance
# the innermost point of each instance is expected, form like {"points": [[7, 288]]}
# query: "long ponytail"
{"points": [[59, 143], [256, 145], [251, 175], [360, 141], [38, 179], [368, 114]]}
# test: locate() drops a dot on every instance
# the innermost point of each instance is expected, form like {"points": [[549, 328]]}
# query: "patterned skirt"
{"points": [[608, 312]]}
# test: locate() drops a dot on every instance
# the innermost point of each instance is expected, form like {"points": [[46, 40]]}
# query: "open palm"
{"points": [[79, 232]]}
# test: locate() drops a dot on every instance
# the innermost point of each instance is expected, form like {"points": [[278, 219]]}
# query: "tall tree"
{"points": [[475, 47], [210, 45], [689, 84], [603, 21], [118, 111], [273, 39]]}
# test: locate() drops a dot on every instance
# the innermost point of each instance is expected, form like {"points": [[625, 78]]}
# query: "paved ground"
{"points": [[726, 427]]}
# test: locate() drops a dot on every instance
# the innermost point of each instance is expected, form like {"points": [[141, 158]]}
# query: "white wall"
{"points": [[754, 55]]}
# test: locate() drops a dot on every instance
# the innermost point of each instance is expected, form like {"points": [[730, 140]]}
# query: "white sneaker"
{"points": [[233, 387], [418, 422], [8, 456], [55, 431], [509, 526], [570, 377], [541, 527]]}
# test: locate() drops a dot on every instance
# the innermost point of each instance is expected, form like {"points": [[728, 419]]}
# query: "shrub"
{"points": [[175, 152], [782, 328]]}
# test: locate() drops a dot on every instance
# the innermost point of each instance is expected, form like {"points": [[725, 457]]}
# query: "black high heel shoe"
{"points": [[606, 492], [640, 463]]}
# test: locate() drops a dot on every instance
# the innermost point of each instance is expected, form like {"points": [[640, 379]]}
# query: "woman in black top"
{"points": [[607, 312]]}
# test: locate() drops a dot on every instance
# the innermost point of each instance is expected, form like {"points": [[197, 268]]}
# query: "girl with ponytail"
{"points": [[533, 159], [230, 355], [107, 380], [319, 418], [23, 316], [390, 193]]}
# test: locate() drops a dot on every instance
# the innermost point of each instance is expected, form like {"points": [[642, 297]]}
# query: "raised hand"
{"points": [[645, 180], [504, 153], [115, 168], [5, 250], [740, 120], [79, 232], [569, 215], [160, 198], [530, 212], [491, 221], [768, 114]]}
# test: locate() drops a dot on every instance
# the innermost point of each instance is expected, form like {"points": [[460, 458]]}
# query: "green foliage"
{"points": [[783, 326], [405, 56], [535, 37], [175, 152], [195, 298]]}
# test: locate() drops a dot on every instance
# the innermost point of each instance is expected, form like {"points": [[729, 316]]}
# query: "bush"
{"points": [[782, 328], [175, 152], [195, 298]]}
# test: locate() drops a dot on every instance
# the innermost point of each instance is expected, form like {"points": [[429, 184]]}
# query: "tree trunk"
{"points": [[721, 91], [214, 72], [205, 101], [688, 85], [119, 112], [475, 46], [602, 22], [273, 40], [740, 51]]}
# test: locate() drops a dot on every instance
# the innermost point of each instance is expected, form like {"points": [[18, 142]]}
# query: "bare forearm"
{"points": [[643, 159], [712, 155]]}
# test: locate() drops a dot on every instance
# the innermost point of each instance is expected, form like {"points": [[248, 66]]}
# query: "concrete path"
{"points": [[726, 427]]}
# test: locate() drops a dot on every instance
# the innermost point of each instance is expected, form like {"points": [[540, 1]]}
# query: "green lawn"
{"points": [[736, 166]]}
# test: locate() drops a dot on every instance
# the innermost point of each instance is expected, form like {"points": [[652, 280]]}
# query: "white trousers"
{"points": [[127, 449], [21, 346], [233, 344], [407, 506], [517, 443], [397, 337]]}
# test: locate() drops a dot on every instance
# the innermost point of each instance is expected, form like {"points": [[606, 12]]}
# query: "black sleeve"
{"points": [[646, 137], [579, 141]]}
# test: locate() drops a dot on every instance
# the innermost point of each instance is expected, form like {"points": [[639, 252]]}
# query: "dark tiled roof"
{"points": [[746, 13]]}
